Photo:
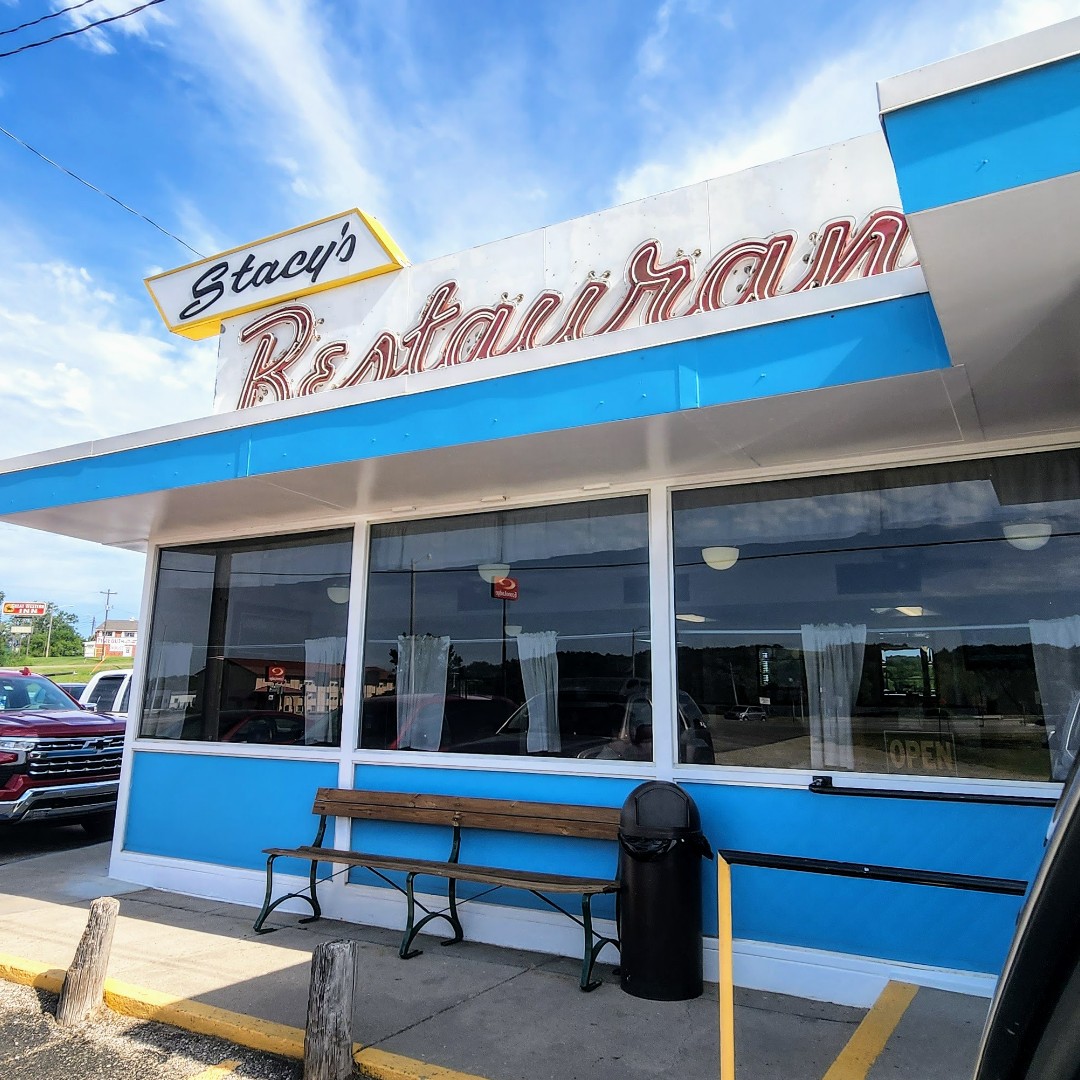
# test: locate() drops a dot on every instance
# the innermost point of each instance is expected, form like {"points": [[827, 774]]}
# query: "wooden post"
{"points": [[328, 1040], [84, 983]]}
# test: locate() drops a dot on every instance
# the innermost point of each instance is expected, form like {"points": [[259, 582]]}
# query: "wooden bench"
{"points": [[455, 813]]}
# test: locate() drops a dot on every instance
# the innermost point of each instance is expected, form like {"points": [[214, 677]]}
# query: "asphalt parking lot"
{"points": [[34, 1047]]}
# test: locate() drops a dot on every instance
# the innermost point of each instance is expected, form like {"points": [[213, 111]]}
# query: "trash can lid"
{"points": [[659, 806]]}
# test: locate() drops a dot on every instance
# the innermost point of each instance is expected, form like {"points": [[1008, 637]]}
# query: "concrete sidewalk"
{"points": [[476, 1009]]}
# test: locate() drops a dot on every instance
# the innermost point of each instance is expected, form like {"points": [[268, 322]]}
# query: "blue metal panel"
{"points": [[1013, 131], [225, 810], [874, 341], [913, 924]]}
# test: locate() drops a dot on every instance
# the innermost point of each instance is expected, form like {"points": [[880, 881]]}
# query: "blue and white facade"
{"points": [[827, 408]]}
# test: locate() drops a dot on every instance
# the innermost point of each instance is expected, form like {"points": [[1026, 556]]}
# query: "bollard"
{"points": [[328, 1039], [84, 982]]}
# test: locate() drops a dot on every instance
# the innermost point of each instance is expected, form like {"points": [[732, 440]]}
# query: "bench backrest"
{"points": [[505, 815]]}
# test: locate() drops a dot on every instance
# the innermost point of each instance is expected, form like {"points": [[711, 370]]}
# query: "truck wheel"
{"points": [[99, 826]]}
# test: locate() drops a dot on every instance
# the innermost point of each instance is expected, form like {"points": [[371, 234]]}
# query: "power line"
{"points": [[100, 191], [81, 29], [44, 18]]}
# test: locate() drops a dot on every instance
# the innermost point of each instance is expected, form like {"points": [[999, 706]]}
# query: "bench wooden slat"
{"points": [[549, 819], [521, 879]]}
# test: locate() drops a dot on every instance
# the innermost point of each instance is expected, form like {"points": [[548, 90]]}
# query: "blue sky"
{"points": [[454, 123]]}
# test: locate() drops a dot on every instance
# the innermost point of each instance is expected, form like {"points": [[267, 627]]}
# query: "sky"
{"points": [[224, 121]]}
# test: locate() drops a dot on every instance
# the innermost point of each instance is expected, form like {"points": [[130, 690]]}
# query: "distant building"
{"points": [[114, 637]]}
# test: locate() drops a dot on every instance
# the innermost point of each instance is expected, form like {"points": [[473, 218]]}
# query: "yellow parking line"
{"points": [[865, 1046], [217, 1071]]}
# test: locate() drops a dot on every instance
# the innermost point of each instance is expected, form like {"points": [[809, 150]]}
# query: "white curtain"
{"points": [[171, 661], [833, 655], [421, 690], [1056, 644], [323, 660], [540, 676]]}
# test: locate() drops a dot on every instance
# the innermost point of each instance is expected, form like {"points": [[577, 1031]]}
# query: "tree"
{"points": [[64, 638]]}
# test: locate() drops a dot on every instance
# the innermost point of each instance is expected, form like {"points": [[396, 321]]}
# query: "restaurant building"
{"points": [[771, 478]]}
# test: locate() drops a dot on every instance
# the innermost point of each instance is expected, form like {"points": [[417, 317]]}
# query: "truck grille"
{"points": [[76, 758]]}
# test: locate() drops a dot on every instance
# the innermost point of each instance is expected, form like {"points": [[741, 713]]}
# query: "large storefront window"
{"points": [[516, 632], [921, 621], [247, 643]]}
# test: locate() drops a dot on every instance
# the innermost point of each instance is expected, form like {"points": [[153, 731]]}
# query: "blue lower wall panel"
{"points": [[223, 810], [938, 927]]}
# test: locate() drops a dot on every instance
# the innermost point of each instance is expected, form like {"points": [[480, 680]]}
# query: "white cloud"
{"points": [[80, 363], [77, 367], [835, 101], [276, 63], [99, 38], [652, 56], [70, 573]]}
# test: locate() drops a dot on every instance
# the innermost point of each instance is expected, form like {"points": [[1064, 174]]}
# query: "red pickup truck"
{"points": [[58, 762]]}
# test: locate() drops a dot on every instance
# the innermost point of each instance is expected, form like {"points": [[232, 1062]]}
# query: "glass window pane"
{"points": [[247, 643], [516, 632], [919, 621]]}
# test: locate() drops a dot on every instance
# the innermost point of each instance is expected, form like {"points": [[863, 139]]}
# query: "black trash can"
{"points": [[660, 850]]}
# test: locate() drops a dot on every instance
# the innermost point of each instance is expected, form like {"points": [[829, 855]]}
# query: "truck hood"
{"points": [[57, 723]]}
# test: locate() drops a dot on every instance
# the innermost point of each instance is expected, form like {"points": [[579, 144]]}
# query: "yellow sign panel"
{"points": [[195, 299]]}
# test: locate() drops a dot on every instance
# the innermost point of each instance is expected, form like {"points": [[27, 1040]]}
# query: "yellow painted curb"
{"points": [[14, 969], [236, 1028]]}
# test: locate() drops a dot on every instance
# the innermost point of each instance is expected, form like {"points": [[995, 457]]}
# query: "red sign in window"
{"points": [[505, 588], [275, 673]]}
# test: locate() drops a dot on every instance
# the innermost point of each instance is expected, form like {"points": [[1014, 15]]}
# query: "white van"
{"points": [[107, 692]]}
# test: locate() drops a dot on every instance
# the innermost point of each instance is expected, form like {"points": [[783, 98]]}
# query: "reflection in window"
{"points": [[247, 643], [516, 632], [921, 621]]}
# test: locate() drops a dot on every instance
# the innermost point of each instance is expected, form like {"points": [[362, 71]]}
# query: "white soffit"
{"points": [[1004, 275]]}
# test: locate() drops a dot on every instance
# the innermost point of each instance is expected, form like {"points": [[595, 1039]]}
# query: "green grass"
{"points": [[72, 668]]}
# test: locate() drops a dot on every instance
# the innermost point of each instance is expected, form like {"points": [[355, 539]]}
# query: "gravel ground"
{"points": [[112, 1047]]}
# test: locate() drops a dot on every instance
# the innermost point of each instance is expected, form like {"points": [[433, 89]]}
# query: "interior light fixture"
{"points": [[338, 594], [512, 631], [720, 558], [1027, 535], [912, 610], [691, 618], [492, 572]]}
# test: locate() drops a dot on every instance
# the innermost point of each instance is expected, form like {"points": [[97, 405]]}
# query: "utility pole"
{"points": [[108, 594], [48, 639]]}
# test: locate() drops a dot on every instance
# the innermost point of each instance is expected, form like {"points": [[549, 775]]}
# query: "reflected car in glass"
{"points": [[747, 712], [465, 722]]}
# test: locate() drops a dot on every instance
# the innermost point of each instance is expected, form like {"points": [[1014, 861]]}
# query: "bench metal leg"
{"points": [[310, 895], [413, 928], [592, 948]]}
